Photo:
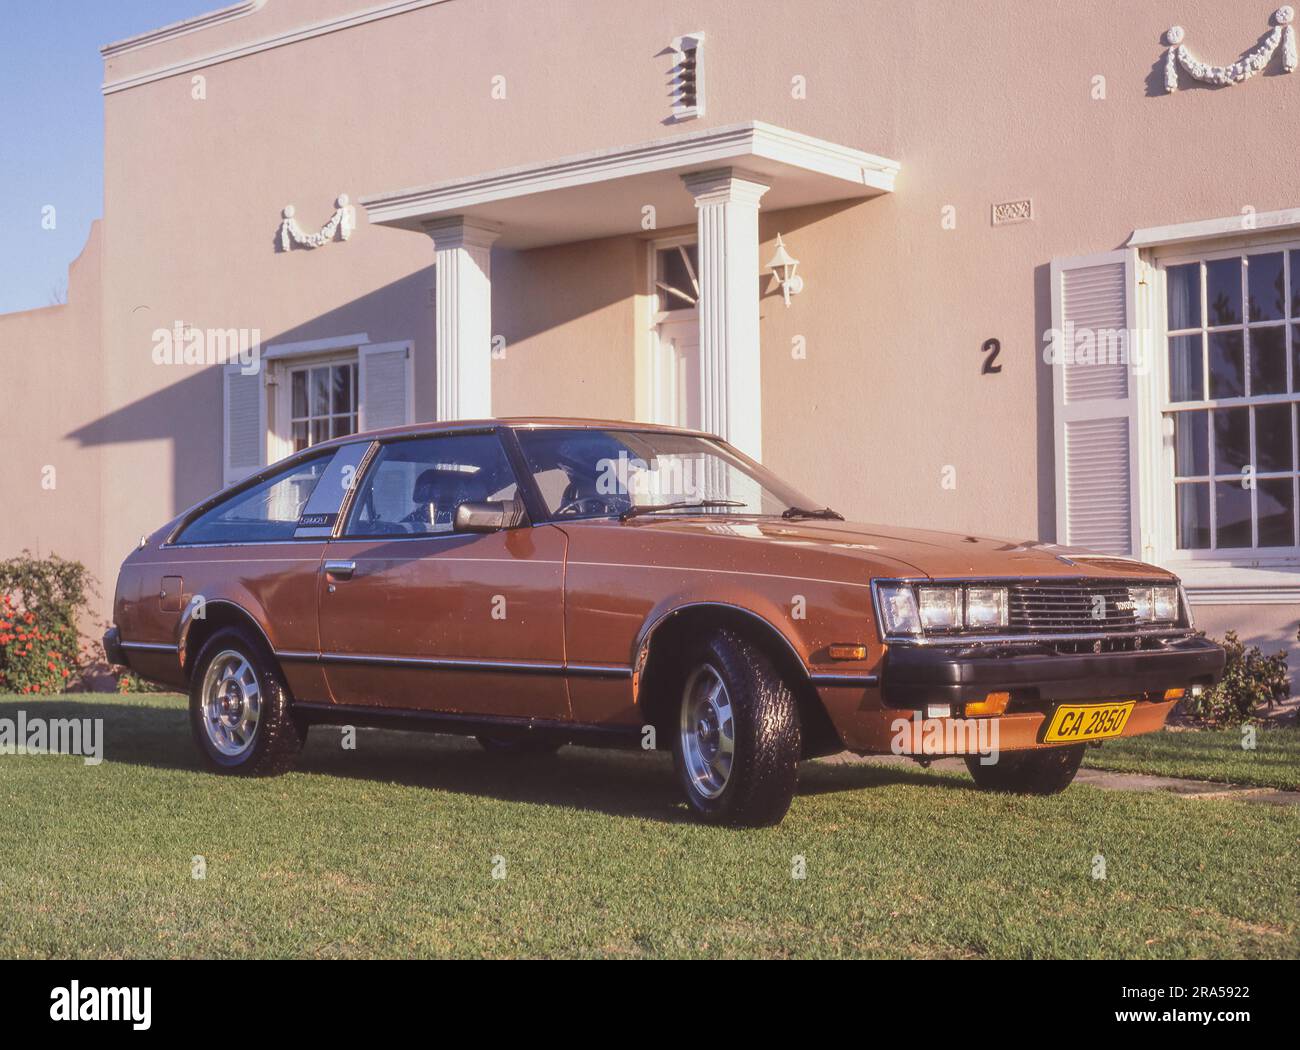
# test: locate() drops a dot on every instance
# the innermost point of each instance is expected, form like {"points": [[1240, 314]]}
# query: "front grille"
{"points": [[1071, 607]]}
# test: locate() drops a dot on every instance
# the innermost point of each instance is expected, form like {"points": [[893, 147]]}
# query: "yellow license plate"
{"points": [[1072, 722]]}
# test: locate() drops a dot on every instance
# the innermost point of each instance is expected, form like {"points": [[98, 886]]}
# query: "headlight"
{"points": [[986, 607], [898, 609], [913, 609], [940, 607], [1159, 604], [1164, 603], [1141, 599]]}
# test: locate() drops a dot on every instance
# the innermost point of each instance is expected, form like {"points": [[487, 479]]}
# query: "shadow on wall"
{"points": [[537, 293], [187, 410]]}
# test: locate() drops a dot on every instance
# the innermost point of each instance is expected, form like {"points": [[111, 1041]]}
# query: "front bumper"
{"points": [[916, 676]]}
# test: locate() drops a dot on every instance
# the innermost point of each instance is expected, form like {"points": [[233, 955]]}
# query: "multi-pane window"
{"points": [[323, 403], [1233, 343]]}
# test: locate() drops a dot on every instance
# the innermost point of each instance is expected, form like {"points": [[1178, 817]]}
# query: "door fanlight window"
{"points": [[676, 277]]}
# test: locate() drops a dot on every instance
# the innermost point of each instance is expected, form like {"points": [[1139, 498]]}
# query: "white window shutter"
{"points": [[1095, 402], [243, 423], [386, 385]]}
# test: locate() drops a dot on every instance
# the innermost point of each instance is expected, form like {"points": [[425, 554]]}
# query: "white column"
{"points": [[463, 315], [726, 202]]}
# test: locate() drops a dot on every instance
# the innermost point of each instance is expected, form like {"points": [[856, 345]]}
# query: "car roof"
{"points": [[513, 422]]}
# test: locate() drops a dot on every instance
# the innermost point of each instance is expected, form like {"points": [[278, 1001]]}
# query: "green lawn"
{"points": [[1209, 754], [388, 850]]}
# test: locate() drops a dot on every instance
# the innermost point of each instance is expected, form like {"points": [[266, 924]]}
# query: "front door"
{"points": [[675, 361], [677, 373], [415, 615]]}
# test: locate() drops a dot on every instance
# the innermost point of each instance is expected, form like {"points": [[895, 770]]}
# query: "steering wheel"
{"points": [[584, 505]]}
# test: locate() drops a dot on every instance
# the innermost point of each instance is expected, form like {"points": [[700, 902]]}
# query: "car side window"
{"points": [[413, 487], [267, 511]]}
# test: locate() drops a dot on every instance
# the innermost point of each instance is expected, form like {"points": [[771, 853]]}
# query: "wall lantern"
{"points": [[784, 267]]}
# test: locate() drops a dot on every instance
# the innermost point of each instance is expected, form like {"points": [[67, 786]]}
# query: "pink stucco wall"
{"points": [[52, 481]]}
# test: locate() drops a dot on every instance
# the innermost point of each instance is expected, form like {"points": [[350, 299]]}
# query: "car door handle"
{"points": [[340, 570]]}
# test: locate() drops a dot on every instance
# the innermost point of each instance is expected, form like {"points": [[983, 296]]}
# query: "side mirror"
{"points": [[482, 517]]}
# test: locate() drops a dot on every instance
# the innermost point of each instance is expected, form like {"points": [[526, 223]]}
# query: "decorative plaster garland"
{"points": [[1244, 68], [340, 226]]}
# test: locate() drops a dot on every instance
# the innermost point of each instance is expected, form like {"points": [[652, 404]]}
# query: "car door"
{"points": [[415, 615]]}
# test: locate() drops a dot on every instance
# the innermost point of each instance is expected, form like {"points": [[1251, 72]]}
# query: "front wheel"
{"points": [[240, 708], [1046, 772], [737, 744]]}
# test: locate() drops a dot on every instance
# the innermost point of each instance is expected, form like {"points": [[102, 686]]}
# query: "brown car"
{"points": [[539, 582]]}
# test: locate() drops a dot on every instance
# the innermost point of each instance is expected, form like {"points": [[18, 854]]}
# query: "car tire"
{"points": [[520, 745], [1046, 772], [732, 702], [240, 708]]}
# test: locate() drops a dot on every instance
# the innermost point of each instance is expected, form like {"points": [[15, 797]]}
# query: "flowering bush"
{"points": [[133, 683], [32, 657], [40, 602]]}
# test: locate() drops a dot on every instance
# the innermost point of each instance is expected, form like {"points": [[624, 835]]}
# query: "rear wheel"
{"points": [[1046, 772], [737, 741], [240, 708]]}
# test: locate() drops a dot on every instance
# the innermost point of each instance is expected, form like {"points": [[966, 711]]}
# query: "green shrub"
{"points": [[41, 600], [1251, 682]]}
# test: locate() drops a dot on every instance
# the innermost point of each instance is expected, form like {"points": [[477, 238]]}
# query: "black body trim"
{"points": [[916, 676], [433, 663], [465, 725]]}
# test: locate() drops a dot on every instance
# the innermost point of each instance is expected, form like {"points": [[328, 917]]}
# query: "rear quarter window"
{"points": [[265, 512]]}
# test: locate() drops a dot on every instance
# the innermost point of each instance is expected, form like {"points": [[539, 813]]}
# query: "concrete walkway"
{"points": [[1108, 781]]}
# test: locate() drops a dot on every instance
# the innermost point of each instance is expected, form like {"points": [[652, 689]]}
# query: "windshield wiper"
{"points": [[650, 508], [804, 512]]}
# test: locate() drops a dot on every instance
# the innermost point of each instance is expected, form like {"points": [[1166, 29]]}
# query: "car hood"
{"points": [[913, 552]]}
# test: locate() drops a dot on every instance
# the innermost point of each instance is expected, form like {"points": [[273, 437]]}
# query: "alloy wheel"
{"points": [[232, 703], [708, 731]]}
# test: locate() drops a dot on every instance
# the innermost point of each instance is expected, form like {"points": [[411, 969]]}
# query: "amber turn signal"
{"points": [[993, 704], [1174, 694], [848, 652]]}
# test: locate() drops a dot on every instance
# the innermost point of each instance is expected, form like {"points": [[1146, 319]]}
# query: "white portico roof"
{"points": [[601, 194]]}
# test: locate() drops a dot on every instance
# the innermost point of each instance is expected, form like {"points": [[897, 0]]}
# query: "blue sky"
{"points": [[52, 131]]}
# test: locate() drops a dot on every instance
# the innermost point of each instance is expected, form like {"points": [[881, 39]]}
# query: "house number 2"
{"points": [[991, 347]]}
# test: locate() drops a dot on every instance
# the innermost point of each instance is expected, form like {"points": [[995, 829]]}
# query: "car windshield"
{"points": [[586, 473]]}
